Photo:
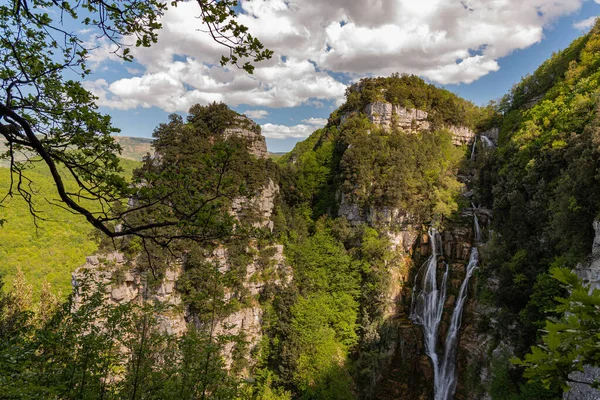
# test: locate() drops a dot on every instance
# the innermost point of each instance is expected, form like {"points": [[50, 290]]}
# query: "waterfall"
{"points": [[473, 149], [487, 142], [444, 389], [428, 306], [426, 310], [477, 228]]}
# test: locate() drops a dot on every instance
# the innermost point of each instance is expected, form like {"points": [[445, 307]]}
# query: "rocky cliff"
{"points": [[410, 373], [391, 116], [125, 280], [246, 128]]}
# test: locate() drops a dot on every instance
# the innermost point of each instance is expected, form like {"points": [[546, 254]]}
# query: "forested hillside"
{"points": [[47, 249], [543, 183]]}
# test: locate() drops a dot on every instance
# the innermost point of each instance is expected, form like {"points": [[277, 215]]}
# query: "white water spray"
{"points": [[426, 310], [473, 148], [428, 306], [446, 385], [487, 142]]}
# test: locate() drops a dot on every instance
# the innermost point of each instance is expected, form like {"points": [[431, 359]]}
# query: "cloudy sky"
{"points": [[475, 48]]}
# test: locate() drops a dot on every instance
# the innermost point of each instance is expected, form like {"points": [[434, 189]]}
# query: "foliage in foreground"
{"points": [[88, 348], [570, 341], [543, 184]]}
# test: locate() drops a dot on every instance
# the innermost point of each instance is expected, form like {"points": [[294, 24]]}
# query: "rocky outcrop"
{"points": [[261, 206], [248, 320], [457, 243], [390, 116], [461, 135], [590, 274], [123, 283], [248, 129], [388, 216]]}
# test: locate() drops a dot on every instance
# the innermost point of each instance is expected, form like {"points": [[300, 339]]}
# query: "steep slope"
{"points": [[543, 183], [134, 148], [351, 206]]}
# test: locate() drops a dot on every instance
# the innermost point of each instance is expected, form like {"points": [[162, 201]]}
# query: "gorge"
{"points": [[356, 266]]}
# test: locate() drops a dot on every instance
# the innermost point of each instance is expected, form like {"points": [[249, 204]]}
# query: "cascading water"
{"points": [[428, 305], [446, 385], [473, 148], [477, 228], [487, 142], [427, 308]]}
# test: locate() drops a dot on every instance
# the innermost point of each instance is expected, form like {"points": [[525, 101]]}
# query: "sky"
{"points": [[477, 49]]}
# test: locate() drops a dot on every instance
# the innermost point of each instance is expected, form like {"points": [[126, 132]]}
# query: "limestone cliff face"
{"points": [[389, 115], [410, 374], [248, 129], [590, 273], [411, 120], [123, 282], [492, 134], [262, 205], [248, 320]]}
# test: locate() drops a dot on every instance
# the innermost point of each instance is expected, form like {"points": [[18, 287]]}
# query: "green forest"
{"points": [[372, 261]]}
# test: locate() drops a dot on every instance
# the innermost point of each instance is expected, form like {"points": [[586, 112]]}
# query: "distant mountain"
{"points": [[134, 148], [276, 154]]}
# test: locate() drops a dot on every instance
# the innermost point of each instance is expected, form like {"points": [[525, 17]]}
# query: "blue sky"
{"points": [[475, 48], [513, 67]]}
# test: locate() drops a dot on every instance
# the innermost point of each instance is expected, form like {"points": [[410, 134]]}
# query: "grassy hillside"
{"points": [[134, 148], [56, 247]]}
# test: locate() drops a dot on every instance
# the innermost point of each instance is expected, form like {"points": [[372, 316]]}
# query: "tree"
{"points": [[569, 342], [47, 117]]}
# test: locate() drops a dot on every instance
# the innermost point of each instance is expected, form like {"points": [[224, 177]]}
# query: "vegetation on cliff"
{"points": [[90, 347], [374, 168], [543, 183], [411, 92]]}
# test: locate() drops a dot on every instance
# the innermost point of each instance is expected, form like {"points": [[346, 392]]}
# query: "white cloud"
{"points": [[181, 84], [446, 41], [134, 71], [273, 131], [102, 50], [302, 131], [320, 122], [587, 23], [257, 114]]}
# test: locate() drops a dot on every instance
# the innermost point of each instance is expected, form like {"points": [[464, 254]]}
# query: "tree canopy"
{"points": [[49, 118]]}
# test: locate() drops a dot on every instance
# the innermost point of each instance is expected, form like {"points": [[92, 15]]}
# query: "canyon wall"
{"points": [[390, 116]]}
